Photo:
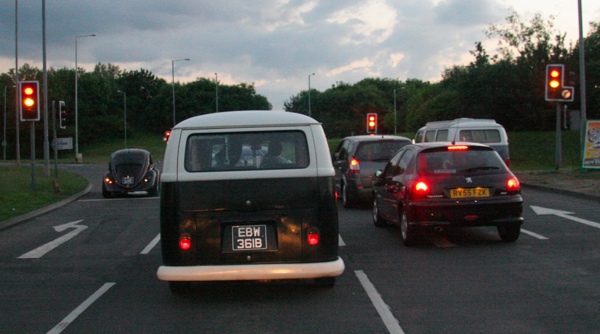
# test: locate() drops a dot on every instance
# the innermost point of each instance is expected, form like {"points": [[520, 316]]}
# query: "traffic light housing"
{"points": [[555, 88], [29, 95], [372, 123], [62, 115]]}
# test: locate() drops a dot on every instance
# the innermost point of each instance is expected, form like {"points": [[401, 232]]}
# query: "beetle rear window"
{"points": [[246, 150]]}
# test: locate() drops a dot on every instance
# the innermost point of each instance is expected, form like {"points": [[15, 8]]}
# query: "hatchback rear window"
{"points": [[379, 150], [246, 150], [465, 161]]}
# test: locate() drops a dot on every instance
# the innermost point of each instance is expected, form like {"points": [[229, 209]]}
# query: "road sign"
{"points": [[62, 143]]}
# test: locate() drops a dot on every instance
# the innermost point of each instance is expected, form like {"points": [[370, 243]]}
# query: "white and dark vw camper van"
{"points": [[477, 130], [248, 195]]}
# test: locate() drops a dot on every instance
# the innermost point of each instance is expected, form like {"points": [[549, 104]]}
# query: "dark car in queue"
{"points": [[356, 159], [444, 185], [130, 170]]}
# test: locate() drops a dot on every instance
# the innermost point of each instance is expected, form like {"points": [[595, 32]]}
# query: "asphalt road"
{"points": [[100, 277]]}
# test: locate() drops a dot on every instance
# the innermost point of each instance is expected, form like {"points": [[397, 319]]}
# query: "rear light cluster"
{"points": [[108, 180], [513, 184], [185, 242], [420, 190], [313, 236], [354, 166]]}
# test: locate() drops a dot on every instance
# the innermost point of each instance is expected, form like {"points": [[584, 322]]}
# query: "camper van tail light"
{"points": [[108, 180], [354, 166], [185, 243], [313, 237], [512, 184]]}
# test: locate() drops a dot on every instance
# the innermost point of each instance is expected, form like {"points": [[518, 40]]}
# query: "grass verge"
{"points": [[19, 197]]}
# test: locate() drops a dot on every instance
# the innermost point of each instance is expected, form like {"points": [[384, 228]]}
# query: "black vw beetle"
{"points": [[130, 170]]}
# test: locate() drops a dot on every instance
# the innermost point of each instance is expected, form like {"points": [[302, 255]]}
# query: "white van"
{"points": [[248, 195], [478, 130]]}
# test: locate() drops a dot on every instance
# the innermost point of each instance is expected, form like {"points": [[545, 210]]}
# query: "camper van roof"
{"points": [[461, 121], [246, 118]]}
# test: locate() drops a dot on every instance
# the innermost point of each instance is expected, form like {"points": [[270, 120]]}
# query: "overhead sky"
{"points": [[274, 44]]}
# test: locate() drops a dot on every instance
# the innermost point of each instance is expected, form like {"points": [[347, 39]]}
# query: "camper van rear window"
{"points": [[480, 136], [207, 152]]}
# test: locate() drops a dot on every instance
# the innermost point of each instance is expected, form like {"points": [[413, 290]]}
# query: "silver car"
{"points": [[356, 159]]}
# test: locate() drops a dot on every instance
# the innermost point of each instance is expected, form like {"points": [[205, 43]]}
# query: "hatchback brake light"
{"points": [[421, 188], [513, 184], [458, 148]]}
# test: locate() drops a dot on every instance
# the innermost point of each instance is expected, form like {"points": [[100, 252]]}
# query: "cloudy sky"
{"points": [[275, 44]]}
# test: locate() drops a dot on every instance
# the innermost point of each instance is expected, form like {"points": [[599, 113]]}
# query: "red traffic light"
{"points": [[372, 123], [30, 97], [555, 89]]}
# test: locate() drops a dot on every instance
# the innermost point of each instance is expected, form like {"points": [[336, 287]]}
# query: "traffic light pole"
{"points": [[32, 130], [54, 139], [558, 156]]}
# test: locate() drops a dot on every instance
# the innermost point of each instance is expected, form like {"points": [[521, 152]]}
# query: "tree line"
{"points": [[507, 87], [101, 102]]}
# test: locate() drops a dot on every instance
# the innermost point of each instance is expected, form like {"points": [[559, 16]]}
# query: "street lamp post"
{"points": [[77, 155], [124, 114], [173, 84], [395, 114], [216, 93], [309, 111]]}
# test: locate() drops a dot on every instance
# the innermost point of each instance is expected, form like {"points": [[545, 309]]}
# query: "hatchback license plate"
{"points": [[249, 237], [469, 192]]}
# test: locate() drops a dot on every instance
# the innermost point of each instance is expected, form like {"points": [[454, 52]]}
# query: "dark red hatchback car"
{"points": [[446, 185]]}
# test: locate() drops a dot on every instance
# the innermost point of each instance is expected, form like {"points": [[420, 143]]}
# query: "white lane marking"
{"points": [[564, 214], [151, 245], [76, 312], [42, 250], [384, 311], [341, 241], [535, 235]]}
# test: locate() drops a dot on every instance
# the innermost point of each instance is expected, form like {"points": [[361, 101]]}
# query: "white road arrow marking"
{"points": [[42, 250], [564, 214]]}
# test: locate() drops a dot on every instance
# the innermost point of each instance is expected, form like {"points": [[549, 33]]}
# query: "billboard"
{"points": [[591, 156]]}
